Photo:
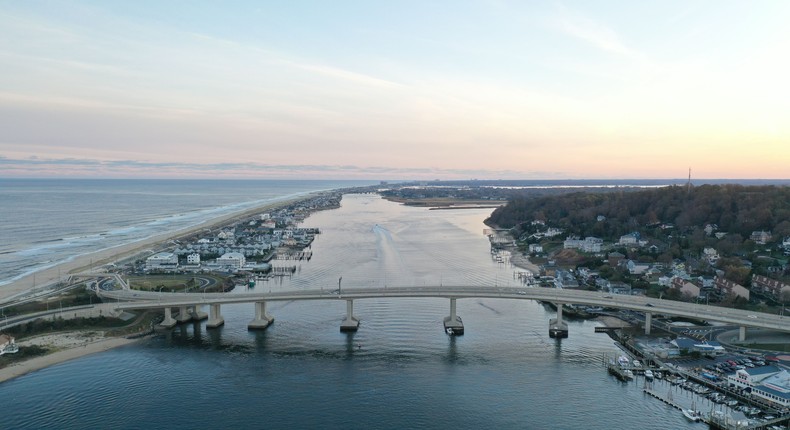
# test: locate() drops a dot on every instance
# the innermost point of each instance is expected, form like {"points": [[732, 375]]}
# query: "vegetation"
{"points": [[735, 209]]}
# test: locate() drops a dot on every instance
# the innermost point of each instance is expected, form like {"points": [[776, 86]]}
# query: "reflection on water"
{"points": [[400, 370]]}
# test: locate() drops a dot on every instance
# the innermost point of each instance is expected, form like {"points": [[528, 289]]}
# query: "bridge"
{"points": [[189, 305]]}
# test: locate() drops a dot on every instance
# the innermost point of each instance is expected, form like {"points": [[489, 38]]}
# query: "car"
{"points": [[523, 293], [607, 296], [650, 305], [751, 316]]}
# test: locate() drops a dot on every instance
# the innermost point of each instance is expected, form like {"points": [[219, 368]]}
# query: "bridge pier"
{"points": [[351, 323], [197, 314], [648, 322], [215, 318], [557, 327], [453, 324], [169, 321], [742, 333], [262, 319], [183, 314]]}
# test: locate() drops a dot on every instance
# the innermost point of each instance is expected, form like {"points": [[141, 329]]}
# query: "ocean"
{"points": [[400, 370]]}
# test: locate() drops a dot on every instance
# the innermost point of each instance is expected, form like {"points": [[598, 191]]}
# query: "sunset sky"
{"points": [[395, 89]]}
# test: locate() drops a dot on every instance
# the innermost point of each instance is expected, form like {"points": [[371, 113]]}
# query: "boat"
{"points": [[658, 375], [692, 415], [628, 374], [637, 363], [648, 374], [623, 361]]}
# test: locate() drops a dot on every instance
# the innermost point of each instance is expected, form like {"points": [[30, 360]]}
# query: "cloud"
{"points": [[571, 22], [85, 167]]}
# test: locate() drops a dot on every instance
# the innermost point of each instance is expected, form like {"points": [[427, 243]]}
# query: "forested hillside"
{"points": [[733, 208]]}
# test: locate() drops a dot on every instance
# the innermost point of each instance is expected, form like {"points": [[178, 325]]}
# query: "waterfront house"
{"points": [[7, 344], [232, 260], [162, 261]]}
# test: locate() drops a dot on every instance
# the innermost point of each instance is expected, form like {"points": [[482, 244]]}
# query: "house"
{"points": [[710, 255], [620, 288], [710, 228], [162, 260], [761, 237], [615, 258], [193, 258], [232, 259], [629, 239], [637, 268], [728, 288], [535, 248], [686, 288], [769, 286], [7, 344], [600, 218]]}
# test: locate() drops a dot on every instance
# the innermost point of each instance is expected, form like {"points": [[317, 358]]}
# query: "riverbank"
{"points": [[49, 276], [68, 346]]}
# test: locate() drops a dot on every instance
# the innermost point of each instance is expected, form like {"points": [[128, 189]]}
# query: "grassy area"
{"points": [[174, 283]]}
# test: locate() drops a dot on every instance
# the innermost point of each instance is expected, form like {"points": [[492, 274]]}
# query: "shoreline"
{"points": [[44, 278], [61, 356], [71, 345]]}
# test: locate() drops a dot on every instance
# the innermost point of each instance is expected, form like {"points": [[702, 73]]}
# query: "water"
{"points": [[398, 371], [45, 222]]}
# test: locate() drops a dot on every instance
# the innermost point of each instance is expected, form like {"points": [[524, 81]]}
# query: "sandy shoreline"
{"points": [[71, 345], [96, 259], [71, 349]]}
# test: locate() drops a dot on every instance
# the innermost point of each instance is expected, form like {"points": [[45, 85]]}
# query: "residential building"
{"points": [[628, 239], [727, 287], [162, 260], [535, 248], [193, 258], [769, 286], [761, 237], [232, 259], [686, 288]]}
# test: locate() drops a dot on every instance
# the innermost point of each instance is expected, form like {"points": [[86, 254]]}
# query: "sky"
{"points": [[490, 89]]}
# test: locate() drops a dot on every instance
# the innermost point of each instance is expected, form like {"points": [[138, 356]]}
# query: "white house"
{"points": [[162, 260], [193, 258], [628, 239], [7, 344], [232, 259], [535, 248]]}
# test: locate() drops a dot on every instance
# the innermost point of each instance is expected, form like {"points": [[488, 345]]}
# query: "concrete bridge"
{"points": [[189, 305]]}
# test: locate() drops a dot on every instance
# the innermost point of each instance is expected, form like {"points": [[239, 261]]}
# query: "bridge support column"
{"points": [[453, 324], [557, 327], [351, 323], [742, 333], [262, 319], [215, 318], [168, 322], [183, 314], [648, 322], [197, 315]]}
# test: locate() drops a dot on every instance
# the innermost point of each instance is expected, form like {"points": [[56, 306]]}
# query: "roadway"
{"points": [[153, 300]]}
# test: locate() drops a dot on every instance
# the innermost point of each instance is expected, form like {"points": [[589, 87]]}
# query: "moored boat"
{"points": [[692, 415], [648, 374]]}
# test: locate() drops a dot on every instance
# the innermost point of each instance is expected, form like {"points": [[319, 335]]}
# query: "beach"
{"points": [[71, 345], [46, 277], [68, 346]]}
